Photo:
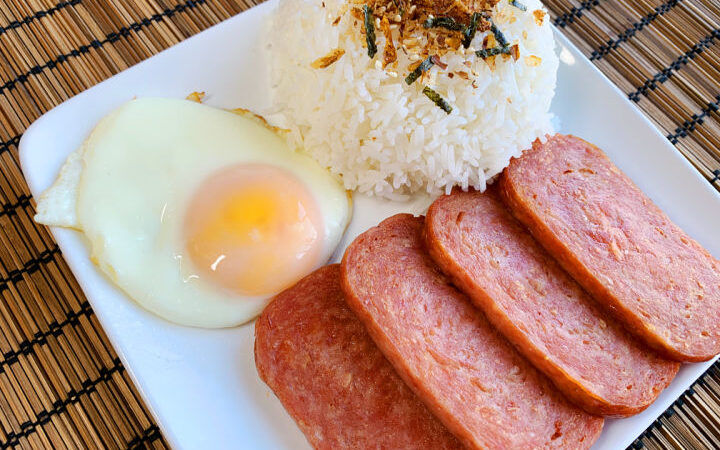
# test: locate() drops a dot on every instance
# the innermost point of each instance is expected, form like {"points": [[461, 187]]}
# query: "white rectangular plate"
{"points": [[201, 385]]}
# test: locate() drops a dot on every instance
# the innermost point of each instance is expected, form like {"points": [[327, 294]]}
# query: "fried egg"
{"points": [[199, 214]]}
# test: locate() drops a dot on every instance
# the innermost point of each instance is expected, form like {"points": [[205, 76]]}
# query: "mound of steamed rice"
{"points": [[386, 138]]}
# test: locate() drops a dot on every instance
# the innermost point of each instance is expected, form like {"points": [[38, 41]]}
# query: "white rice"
{"points": [[385, 137]]}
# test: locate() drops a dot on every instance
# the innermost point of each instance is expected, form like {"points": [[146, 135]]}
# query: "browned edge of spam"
{"points": [[380, 339], [563, 381], [580, 272]]}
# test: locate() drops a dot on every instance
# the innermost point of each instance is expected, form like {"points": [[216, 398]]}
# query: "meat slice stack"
{"points": [[539, 307], [330, 376], [446, 351], [618, 245], [514, 318]]}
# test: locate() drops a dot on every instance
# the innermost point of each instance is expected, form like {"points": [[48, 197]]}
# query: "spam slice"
{"points": [[618, 245], [538, 307], [332, 379], [445, 350]]}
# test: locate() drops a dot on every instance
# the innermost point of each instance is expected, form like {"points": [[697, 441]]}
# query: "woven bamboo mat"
{"points": [[62, 385]]}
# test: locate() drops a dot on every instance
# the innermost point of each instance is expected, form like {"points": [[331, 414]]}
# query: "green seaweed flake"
{"points": [[468, 32], [437, 99], [423, 67], [499, 36], [443, 22], [488, 52], [369, 31]]}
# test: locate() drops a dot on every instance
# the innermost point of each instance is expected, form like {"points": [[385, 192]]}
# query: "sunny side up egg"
{"points": [[199, 214]]}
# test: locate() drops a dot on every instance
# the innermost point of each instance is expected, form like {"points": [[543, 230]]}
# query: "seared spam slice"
{"points": [[618, 245], [332, 379], [538, 307], [469, 376]]}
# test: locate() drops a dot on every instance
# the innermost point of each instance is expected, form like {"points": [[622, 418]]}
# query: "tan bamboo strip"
{"points": [[692, 89], [63, 386]]}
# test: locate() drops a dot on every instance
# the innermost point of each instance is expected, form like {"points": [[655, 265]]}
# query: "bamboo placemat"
{"points": [[62, 385]]}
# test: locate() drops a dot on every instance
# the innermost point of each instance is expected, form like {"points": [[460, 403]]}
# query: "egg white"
{"points": [[127, 189]]}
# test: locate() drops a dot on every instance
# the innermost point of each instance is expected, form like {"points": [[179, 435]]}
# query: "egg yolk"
{"points": [[254, 229]]}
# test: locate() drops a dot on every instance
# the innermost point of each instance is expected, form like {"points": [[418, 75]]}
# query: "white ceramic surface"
{"points": [[201, 385]]}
